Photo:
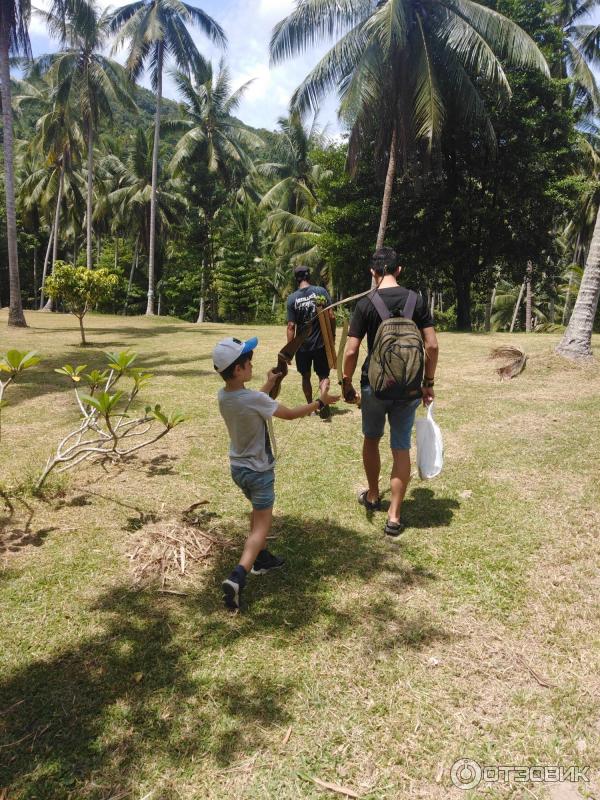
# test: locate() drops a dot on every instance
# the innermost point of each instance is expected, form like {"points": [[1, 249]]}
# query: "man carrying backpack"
{"points": [[397, 375]]}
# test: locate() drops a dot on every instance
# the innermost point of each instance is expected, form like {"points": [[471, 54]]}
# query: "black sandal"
{"points": [[364, 501], [393, 528]]}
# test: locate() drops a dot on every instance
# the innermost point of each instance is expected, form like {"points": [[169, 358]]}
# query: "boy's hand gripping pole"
{"points": [[285, 358]]}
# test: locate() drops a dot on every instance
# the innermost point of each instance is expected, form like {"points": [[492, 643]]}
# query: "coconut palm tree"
{"points": [[293, 174], [409, 64], [213, 137], [14, 39], [85, 79], [578, 232], [29, 205], [131, 200], [580, 48], [155, 30], [57, 144], [505, 309], [211, 132], [582, 237]]}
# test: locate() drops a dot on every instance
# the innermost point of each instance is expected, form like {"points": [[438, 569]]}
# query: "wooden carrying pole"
{"points": [[327, 333]]}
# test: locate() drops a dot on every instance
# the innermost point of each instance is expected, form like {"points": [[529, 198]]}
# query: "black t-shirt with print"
{"points": [[366, 320], [302, 308]]}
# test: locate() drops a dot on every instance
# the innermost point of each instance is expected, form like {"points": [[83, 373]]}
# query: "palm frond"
{"points": [[337, 64], [586, 39], [428, 103], [581, 74], [314, 21], [507, 39], [471, 48], [207, 25]]}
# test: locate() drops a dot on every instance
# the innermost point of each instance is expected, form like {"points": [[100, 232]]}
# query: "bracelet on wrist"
{"points": [[428, 383], [320, 404]]}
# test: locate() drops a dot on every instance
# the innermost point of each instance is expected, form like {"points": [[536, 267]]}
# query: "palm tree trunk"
{"points": [[61, 183], [45, 269], [528, 297], [388, 189], [517, 306], [488, 311], [201, 309], [15, 312], [577, 339], [35, 270], [90, 181], [565, 315], [151, 253], [134, 265]]}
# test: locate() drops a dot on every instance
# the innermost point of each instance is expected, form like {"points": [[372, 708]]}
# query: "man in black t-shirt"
{"points": [[400, 415], [302, 307]]}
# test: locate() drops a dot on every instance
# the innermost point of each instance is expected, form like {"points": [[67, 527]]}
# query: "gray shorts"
{"points": [[259, 487], [401, 417]]}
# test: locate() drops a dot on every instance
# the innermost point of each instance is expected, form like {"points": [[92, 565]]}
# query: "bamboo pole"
{"points": [[327, 334]]}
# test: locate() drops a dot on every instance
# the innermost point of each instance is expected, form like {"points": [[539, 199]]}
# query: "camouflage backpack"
{"points": [[398, 355]]}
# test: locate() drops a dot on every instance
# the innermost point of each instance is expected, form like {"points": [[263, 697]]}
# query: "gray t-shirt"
{"points": [[246, 413]]}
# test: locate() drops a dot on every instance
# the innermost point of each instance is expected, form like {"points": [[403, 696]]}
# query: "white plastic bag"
{"points": [[430, 446]]}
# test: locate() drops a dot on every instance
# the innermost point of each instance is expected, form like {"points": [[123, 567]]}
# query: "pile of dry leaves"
{"points": [[166, 552]]}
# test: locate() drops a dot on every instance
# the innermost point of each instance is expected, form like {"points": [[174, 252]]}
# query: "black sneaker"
{"points": [[232, 592], [266, 562], [325, 412]]}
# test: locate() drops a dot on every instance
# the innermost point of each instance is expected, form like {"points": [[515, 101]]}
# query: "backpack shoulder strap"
{"points": [[380, 306], [410, 305]]}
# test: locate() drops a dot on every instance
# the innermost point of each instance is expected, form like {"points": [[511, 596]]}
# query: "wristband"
{"points": [[428, 383], [321, 403]]}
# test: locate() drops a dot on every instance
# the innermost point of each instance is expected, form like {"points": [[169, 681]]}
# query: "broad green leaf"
{"points": [[90, 401], [121, 362], [15, 361]]}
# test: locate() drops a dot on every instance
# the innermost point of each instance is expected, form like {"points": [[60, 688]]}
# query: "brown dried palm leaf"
{"points": [[515, 360]]}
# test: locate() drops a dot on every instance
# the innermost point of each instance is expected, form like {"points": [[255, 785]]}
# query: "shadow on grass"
{"points": [[420, 509], [133, 332], [15, 539], [42, 379], [136, 522], [319, 557], [153, 688], [17, 530]]}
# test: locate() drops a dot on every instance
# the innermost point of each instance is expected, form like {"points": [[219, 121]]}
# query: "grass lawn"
{"points": [[368, 664]]}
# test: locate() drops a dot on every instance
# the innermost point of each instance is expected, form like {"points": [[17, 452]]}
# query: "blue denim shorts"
{"points": [[259, 487], [401, 417]]}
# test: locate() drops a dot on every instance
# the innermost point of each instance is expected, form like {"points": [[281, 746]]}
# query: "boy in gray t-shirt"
{"points": [[248, 414]]}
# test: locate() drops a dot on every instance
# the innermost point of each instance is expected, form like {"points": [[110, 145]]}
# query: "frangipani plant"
{"points": [[108, 427]]}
